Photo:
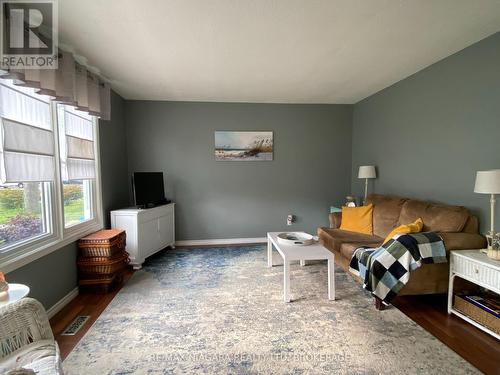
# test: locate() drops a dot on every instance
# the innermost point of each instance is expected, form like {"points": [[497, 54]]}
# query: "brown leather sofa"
{"points": [[456, 226]]}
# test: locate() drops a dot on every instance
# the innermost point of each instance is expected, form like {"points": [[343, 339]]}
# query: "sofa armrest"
{"points": [[335, 220], [463, 241]]}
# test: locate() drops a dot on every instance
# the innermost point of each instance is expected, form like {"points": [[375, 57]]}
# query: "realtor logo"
{"points": [[28, 34]]}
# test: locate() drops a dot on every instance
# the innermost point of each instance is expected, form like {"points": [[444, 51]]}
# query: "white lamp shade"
{"points": [[488, 182], [367, 171]]}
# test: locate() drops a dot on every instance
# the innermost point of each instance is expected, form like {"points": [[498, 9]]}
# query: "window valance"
{"points": [[72, 83]]}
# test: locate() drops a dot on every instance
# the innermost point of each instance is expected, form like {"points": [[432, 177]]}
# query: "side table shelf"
{"points": [[477, 268]]}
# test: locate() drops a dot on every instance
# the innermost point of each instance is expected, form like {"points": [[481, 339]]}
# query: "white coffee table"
{"points": [[300, 253]]}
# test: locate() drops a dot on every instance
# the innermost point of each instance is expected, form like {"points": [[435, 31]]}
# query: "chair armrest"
{"points": [[463, 241], [335, 220], [22, 323]]}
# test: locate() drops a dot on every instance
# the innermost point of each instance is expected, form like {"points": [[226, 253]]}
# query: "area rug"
{"points": [[220, 311]]}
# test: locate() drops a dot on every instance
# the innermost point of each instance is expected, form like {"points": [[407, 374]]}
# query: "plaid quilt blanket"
{"points": [[386, 270]]}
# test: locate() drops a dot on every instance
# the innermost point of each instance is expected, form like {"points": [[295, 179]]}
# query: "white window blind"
{"points": [[26, 136], [77, 158]]}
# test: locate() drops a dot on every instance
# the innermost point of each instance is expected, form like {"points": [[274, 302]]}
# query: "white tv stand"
{"points": [[148, 230]]}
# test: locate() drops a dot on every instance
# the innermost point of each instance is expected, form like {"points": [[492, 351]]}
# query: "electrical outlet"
{"points": [[290, 219]]}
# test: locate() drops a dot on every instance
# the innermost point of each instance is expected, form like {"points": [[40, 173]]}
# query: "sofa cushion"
{"points": [[348, 248], [471, 225], [463, 241], [436, 218], [386, 213], [333, 238]]}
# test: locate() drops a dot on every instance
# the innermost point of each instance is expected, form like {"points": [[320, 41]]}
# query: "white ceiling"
{"points": [[279, 51]]}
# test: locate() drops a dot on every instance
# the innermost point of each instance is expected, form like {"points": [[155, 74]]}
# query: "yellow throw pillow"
{"points": [[414, 227], [358, 219]]}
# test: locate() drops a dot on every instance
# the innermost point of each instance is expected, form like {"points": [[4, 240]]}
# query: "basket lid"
{"points": [[105, 235]]}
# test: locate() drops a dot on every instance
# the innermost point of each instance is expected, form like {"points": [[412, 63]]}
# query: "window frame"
{"points": [[26, 251]]}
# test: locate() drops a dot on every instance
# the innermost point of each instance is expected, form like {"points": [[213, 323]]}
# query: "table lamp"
{"points": [[366, 172], [488, 182]]}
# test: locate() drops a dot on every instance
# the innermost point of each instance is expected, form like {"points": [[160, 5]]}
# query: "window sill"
{"points": [[9, 264]]}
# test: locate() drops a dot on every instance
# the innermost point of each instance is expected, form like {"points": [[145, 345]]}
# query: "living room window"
{"points": [[23, 214], [49, 175], [78, 166], [77, 199]]}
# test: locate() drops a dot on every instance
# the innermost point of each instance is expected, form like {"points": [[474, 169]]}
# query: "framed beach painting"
{"points": [[243, 146]]}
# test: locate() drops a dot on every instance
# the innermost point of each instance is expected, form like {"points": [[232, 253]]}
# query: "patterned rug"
{"points": [[220, 311]]}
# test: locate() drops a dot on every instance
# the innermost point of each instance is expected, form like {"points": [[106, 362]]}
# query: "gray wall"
{"points": [[429, 133], [310, 171], [113, 147], [53, 276]]}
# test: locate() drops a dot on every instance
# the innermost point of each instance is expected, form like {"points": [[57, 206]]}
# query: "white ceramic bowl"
{"points": [[295, 238]]}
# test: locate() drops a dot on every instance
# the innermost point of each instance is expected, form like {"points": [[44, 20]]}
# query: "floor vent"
{"points": [[75, 325]]}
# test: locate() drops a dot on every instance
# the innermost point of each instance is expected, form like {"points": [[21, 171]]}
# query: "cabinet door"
{"points": [[129, 224], [166, 230], [150, 237]]}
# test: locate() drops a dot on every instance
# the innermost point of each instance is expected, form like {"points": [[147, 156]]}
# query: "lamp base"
{"points": [[489, 240], [493, 254]]}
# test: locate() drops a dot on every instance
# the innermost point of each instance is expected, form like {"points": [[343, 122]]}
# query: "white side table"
{"points": [[476, 267], [15, 293]]}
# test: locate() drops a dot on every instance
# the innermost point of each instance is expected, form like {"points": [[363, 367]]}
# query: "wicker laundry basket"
{"points": [[477, 314], [102, 259]]}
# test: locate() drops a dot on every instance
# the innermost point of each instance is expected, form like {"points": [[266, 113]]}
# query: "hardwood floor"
{"points": [[477, 347], [86, 303]]}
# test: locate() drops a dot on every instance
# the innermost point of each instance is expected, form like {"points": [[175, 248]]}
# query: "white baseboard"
{"points": [[62, 302], [221, 241]]}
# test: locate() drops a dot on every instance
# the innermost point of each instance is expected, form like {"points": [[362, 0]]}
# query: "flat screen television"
{"points": [[148, 189]]}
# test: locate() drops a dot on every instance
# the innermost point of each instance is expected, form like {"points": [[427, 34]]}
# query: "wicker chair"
{"points": [[26, 341]]}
